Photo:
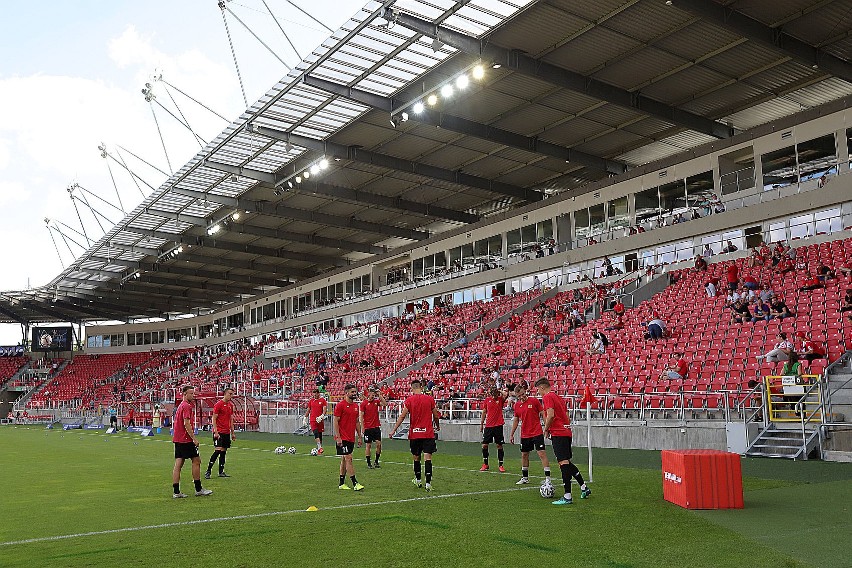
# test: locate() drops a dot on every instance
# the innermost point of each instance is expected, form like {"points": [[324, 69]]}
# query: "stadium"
{"points": [[638, 211]]}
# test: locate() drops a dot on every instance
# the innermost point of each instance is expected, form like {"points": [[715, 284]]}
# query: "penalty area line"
{"points": [[254, 516]]}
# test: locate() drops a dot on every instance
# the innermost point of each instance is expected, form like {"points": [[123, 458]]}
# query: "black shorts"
{"points": [[345, 448], [318, 435], [372, 435], [422, 446], [224, 441], [185, 451], [493, 434], [113, 420], [529, 444], [561, 447]]}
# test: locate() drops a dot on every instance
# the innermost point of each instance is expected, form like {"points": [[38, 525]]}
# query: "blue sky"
{"points": [[70, 78]]}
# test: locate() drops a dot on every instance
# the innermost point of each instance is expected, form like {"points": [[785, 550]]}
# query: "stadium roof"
{"points": [[571, 93]]}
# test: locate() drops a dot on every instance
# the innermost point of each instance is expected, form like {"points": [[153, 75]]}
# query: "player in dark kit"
{"points": [[223, 432], [370, 424], [346, 430], [491, 426], [557, 428], [424, 422], [529, 412], [186, 445], [315, 417]]}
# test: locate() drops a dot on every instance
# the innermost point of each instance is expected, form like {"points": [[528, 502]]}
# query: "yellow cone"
{"points": [[312, 509]]}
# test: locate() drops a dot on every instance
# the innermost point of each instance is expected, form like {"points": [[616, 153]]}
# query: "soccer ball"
{"points": [[291, 450], [546, 490], [314, 452], [280, 450]]}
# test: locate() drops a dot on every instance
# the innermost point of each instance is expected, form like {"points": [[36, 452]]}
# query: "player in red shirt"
{"points": [[491, 426], [371, 426], [223, 432], [557, 427], [529, 412], [346, 430], [186, 444], [315, 417], [130, 418], [422, 428]]}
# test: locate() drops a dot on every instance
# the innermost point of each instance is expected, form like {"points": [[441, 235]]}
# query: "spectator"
{"points": [[729, 247], [751, 282], [561, 358], [846, 306], [707, 252], [710, 288], [607, 266], [536, 283], [780, 353], [679, 371], [811, 283], [779, 309], [741, 312], [732, 275], [618, 307], [766, 293], [810, 349], [522, 361], [598, 345], [785, 265], [846, 268], [792, 368], [656, 329], [761, 310], [700, 264], [824, 272], [616, 323]]}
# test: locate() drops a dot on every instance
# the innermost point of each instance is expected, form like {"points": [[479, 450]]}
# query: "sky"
{"points": [[71, 75]]}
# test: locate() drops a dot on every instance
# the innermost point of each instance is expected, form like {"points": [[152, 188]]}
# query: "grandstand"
{"points": [[437, 207]]}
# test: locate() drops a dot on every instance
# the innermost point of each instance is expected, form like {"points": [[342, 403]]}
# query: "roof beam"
{"points": [[470, 128], [12, 315], [200, 290], [280, 210], [356, 196], [355, 154], [517, 61], [775, 38]]}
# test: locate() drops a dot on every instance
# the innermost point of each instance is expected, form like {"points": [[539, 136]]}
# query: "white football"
{"points": [[291, 450], [314, 452], [280, 450], [546, 490]]}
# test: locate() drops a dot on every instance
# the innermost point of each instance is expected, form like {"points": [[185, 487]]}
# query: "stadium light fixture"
{"points": [[315, 169], [235, 216], [418, 107], [447, 91], [496, 66], [478, 72], [323, 164], [298, 179], [432, 100], [462, 82], [306, 174]]}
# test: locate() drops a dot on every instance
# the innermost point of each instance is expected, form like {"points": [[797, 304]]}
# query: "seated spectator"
{"points": [[824, 273], [756, 258], [766, 294], [598, 345], [846, 268], [474, 359], [678, 371], [810, 349], [521, 362], [846, 304], [576, 319], [707, 252], [616, 323], [656, 329], [729, 247], [678, 219], [811, 283], [751, 282], [700, 264], [740, 312], [561, 358], [732, 275], [734, 296], [710, 288], [785, 265], [781, 352], [618, 308], [792, 368], [761, 310], [779, 309]]}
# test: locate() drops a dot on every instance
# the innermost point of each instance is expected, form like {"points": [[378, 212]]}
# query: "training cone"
{"points": [[312, 509]]}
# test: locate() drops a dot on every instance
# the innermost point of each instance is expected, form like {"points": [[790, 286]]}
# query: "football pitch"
{"points": [[83, 498]]}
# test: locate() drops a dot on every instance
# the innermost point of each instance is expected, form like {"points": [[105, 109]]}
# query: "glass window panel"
{"points": [[528, 234], [666, 254], [700, 193], [581, 223], [479, 293], [779, 168], [467, 256], [736, 170], [683, 250], [817, 157], [647, 206], [801, 226], [495, 247], [455, 257], [513, 242], [440, 261], [617, 215], [480, 249], [597, 219], [418, 268], [357, 283], [673, 197], [545, 229]]}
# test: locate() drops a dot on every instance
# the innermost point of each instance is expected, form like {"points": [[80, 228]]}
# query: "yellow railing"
{"points": [[784, 394]]}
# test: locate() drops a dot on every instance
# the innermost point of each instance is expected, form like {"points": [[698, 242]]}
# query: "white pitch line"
{"points": [[253, 516]]}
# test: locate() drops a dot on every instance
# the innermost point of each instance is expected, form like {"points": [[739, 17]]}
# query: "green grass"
{"points": [[59, 483]]}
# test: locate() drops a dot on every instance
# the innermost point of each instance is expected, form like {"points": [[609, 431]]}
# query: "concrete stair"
{"points": [[777, 441]]}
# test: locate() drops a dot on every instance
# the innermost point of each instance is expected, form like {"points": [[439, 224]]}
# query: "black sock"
{"points": [[575, 473], [485, 455], [428, 471], [212, 460], [368, 459], [377, 457], [176, 487], [525, 472], [566, 477], [354, 481], [547, 472], [221, 462], [417, 470], [500, 455], [197, 484], [342, 479]]}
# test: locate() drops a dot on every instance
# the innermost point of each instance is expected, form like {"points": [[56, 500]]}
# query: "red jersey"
{"points": [[223, 411], [815, 348], [682, 368], [184, 411], [370, 410], [347, 412], [420, 408], [733, 273], [317, 408], [561, 424], [494, 411], [528, 413]]}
